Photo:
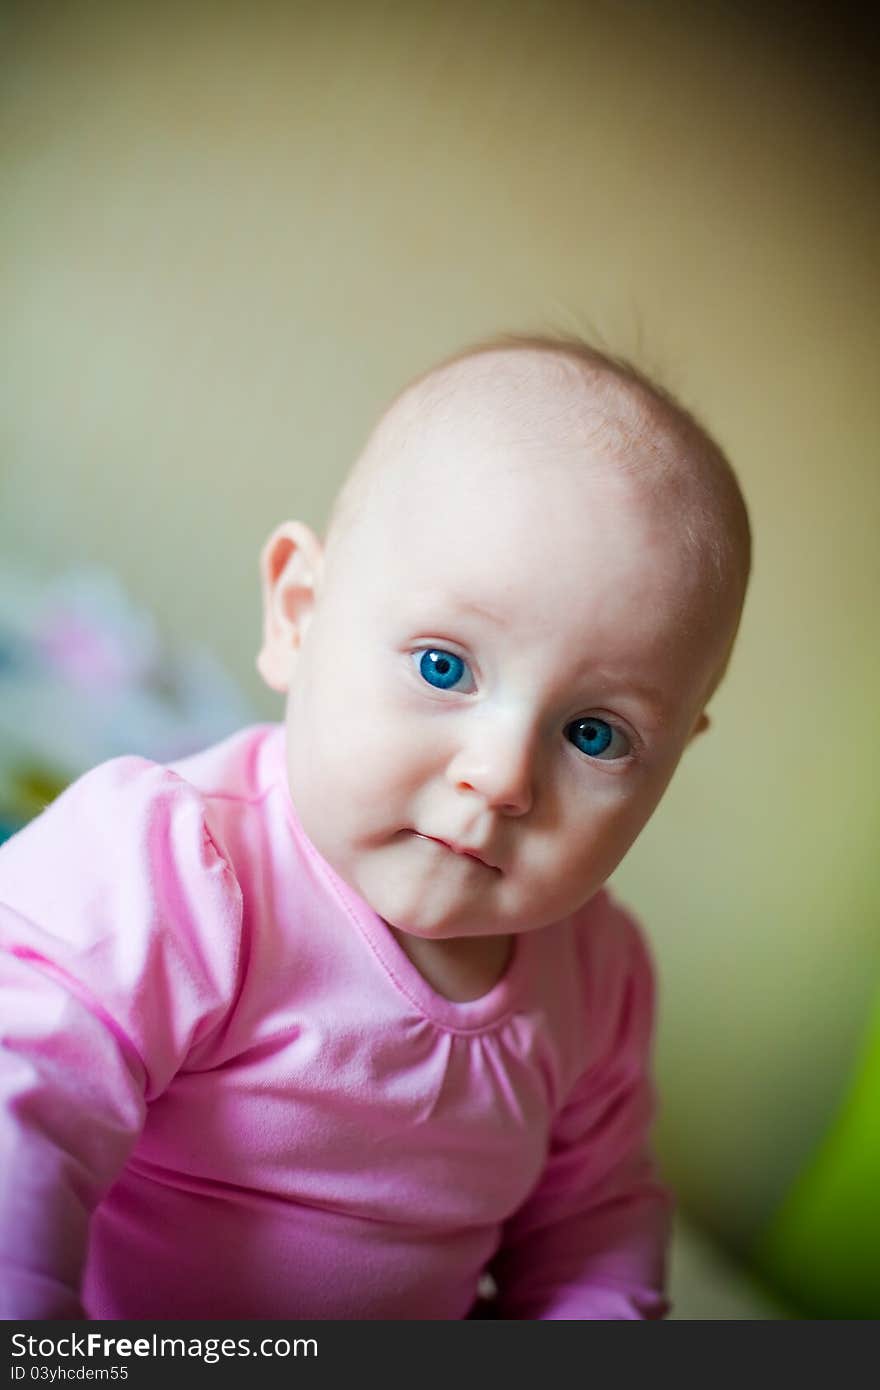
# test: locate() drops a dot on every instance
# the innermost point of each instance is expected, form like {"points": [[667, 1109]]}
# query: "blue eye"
{"points": [[595, 737], [443, 670]]}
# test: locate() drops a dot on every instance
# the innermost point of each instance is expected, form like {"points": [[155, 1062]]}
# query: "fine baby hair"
{"points": [[338, 1017]]}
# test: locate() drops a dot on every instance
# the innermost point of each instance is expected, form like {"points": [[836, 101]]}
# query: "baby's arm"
{"points": [[72, 1091], [119, 929], [590, 1242]]}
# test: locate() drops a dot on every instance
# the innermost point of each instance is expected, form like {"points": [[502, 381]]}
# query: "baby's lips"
{"points": [[471, 852]]}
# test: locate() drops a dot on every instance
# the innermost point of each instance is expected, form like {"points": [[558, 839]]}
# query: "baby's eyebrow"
{"points": [[468, 605], [650, 697], [461, 602], [619, 685]]}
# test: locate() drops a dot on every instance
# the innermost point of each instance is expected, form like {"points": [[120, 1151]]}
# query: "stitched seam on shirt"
{"points": [[241, 956], [237, 796], [240, 967], [43, 965]]}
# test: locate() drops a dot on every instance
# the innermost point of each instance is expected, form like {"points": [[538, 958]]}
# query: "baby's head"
{"points": [[530, 587]]}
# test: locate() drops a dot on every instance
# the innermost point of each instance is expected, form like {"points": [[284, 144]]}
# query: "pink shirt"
{"points": [[227, 1092]]}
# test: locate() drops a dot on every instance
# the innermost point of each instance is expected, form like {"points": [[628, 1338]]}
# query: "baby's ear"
{"points": [[700, 727], [290, 570]]}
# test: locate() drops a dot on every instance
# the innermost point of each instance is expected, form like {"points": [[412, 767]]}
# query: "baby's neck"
{"points": [[462, 969]]}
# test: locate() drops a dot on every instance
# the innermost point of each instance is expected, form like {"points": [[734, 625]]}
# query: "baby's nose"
{"points": [[498, 766]]}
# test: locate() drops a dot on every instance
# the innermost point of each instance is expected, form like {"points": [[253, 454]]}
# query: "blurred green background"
{"points": [[231, 231]]}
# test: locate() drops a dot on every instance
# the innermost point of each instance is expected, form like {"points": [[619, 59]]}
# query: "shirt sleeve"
{"points": [[590, 1242], [119, 937]]}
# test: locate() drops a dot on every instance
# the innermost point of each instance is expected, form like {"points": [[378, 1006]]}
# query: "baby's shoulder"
{"points": [[613, 954], [241, 767], [158, 806], [121, 892], [133, 829], [125, 800], [605, 923]]}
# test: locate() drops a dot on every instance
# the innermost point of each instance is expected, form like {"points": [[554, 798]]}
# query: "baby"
{"points": [[337, 1018]]}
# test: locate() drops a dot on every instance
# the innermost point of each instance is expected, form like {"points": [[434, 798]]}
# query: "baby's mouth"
{"points": [[462, 850]]}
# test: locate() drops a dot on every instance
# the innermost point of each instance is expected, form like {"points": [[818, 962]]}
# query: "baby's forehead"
{"points": [[527, 486], [507, 425], [519, 398], [515, 421], [478, 517]]}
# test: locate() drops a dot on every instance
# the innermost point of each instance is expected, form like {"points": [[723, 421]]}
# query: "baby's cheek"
{"points": [[362, 773]]}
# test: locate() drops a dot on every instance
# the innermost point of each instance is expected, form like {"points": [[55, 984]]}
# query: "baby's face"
{"points": [[504, 664]]}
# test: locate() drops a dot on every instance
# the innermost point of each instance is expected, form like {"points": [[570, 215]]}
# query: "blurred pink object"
{"points": [[85, 655], [85, 675]]}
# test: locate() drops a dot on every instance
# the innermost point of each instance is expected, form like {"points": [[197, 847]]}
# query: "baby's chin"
{"points": [[437, 921], [438, 915], [433, 912]]}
